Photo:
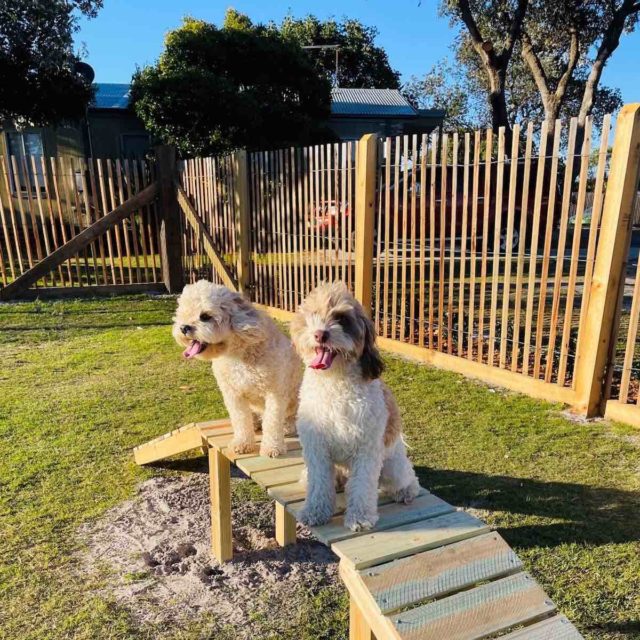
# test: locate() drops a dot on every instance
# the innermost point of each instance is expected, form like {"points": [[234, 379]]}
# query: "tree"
{"points": [[213, 90], [362, 64], [549, 69], [38, 80]]}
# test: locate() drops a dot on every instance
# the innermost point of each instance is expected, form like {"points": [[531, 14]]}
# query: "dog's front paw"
{"points": [[407, 494], [360, 521], [272, 449], [239, 446], [315, 515]]}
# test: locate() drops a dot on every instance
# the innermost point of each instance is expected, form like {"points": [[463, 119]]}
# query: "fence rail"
{"points": [[508, 263]]}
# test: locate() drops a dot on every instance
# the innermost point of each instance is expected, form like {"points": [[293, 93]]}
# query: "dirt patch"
{"points": [[156, 547]]}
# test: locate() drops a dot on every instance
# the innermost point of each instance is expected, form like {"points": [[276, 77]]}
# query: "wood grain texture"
{"points": [[383, 546], [285, 526], [476, 613], [274, 477], [435, 573], [220, 492], [556, 628]]}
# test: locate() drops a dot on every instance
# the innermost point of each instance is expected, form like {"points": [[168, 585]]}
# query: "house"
{"points": [[111, 130], [386, 112]]}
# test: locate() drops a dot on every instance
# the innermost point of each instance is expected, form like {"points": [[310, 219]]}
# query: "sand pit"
{"points": [[156, 548]]}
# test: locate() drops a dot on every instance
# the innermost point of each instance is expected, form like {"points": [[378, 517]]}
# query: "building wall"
{"points": [[115, 133], [350, 128]]}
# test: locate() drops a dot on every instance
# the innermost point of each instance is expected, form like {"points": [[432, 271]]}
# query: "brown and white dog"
{"points": [[348, 419], [254, 364]]}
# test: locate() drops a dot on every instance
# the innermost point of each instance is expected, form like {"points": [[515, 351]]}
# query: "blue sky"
{"points": [[127, 33]]}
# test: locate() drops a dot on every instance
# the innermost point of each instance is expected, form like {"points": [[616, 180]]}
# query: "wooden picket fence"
{"points": [[503, 262]]}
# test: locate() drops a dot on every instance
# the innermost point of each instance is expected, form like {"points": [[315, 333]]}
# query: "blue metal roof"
{"points": [[111, 96], [370, 102]]}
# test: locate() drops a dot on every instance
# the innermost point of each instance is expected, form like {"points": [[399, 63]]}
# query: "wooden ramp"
{"points": [[427, 571]]}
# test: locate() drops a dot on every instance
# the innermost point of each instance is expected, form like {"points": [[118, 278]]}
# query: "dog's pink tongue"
{"points": [[323, 359], [192, 350]]}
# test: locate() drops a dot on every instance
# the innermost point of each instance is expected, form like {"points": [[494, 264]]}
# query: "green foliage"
{"points": [[362, 64], [213, 90], [38, 83]]}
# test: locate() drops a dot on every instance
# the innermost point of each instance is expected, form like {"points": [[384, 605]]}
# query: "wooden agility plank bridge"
{"points": [[427, 570]]}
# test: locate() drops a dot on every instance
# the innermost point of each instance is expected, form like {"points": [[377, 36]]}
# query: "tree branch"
{"points": [[536, 68]]}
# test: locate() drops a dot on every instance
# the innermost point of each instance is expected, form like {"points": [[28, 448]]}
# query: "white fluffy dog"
{"points": [[256, 367], [347, 416]]}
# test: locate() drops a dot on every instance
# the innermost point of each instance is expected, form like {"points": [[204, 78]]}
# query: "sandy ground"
{"points": [[156, 547]]}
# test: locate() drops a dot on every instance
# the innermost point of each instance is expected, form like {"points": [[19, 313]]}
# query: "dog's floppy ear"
{"points": [[370, 360], [245, 320]]}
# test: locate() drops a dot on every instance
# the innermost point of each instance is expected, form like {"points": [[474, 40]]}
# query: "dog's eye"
{"points": [[344, 321], [205, 317]]}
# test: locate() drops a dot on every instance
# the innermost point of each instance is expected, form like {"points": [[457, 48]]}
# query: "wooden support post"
{"points": [[243, 221], [220, 489], [170, 235], [359, 629], [285, 526], [366, 168], [599, 333]]}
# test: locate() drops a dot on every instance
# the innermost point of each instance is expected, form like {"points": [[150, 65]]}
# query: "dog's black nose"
{"points": [[321, 336], [185, 328]]}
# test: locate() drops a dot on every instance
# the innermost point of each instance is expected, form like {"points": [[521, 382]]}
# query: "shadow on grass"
{"points": [[587, 514]]}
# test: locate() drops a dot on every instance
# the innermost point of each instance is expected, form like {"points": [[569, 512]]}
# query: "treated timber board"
{"points": [[261, 463], [384, 546], [476, 613], [390, 515], [178, 442], [289, 494], [556, 628], [438, 572], [274, 477], [341, 501]]}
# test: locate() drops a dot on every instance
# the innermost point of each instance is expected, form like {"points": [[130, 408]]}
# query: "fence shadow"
{"points": [[574, 512]]}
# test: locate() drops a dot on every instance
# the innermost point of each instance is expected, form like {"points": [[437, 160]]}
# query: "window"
{"points": [[25, 151]]}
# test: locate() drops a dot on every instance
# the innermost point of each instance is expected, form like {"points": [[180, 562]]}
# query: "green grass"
{"points": [[81, 382]]}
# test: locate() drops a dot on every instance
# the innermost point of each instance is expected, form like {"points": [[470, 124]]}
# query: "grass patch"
{"points": [[82, 382]]}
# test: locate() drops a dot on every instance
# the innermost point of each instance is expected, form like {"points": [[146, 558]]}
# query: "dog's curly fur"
{"points": [[348, 420], [256, 367]]}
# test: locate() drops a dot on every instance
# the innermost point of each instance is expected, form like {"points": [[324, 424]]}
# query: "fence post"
{"points": [[243, 222], [170, 240], [598, 335], [365, 196]]}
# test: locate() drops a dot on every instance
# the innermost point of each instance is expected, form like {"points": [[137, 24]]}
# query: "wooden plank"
{"points": [[562, 241], [366, 167], [622, 412], [287, 494], [382, 546], [556, 628], [192, 216], [441, 247], [260, 463], [423, 230], [524, 212], [71, 248], [533, 259], [439, 572], [396, 211], [575, 251], [359, 628], [483, 371], [390, 515], [485, 242], [285, 526], [220, 493], [596, 334], [546, 252], [274, 477], [405, 213], [177, 442], [497, 224], [476, 613], [506, 289], [474, 243], [432, 236], [452, 243]]}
